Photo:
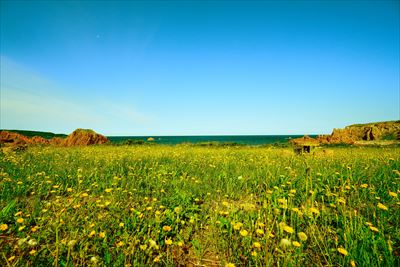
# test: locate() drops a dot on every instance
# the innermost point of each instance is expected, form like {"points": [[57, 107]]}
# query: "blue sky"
{"points": [[198, 67]]}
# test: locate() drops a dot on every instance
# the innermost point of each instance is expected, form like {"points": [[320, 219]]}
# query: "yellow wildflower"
{"points": [[314, 210], [254, 253], [167, 228], [69, 189], [229, 265], [244, 232], [18, 213], [288, 229], [353, 263], [260, 232], [168, 241], [3, 227], [256, 245], [120, 244], [342, 251], [296, 244], [92, 233], [392, 194], [302, 236], [382, 207], [20, 220], [373, 228], [121, 224], [102, 234], [157, 259], [11, 258], [32, 252], [108, 190], [237, 226], [34, 229]]}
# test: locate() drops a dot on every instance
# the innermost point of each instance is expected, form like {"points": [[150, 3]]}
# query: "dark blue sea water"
{"points": [[241, 139]]}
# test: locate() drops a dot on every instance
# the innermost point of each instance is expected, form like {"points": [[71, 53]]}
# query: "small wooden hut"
{"points": [[304, 144]]}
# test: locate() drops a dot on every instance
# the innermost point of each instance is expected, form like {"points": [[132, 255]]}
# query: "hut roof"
{"points": [[305, 141]]}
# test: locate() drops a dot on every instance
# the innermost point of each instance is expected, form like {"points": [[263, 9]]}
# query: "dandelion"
{"points": [[353, 263], [302, 236], [121, 225], [296, 244], [237, 226], [120, 244], [69, 189], [21, 228], [20, 220], [108, 190], [180, 243], [3, 227], [392, 194], [254, 253], [34, 229], [168, 241], [94, 259], [156, 259], [260, 232], [229, 265], [153, 244], [342, 251], [288, 229], [92, 233], [18, 213], [102, 234], [32, 252], [382, 207], [314, 210], [256, 245], [166, 228], [364, 185], [244, 232]]}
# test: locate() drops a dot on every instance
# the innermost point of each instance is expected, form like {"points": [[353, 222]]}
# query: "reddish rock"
{"points": [[84, 137]]}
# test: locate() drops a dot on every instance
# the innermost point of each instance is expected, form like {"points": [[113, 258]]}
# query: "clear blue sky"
{"points": [[198, 67]]}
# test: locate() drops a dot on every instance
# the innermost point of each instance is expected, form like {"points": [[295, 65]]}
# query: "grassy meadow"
{"points": [[199, 206]]}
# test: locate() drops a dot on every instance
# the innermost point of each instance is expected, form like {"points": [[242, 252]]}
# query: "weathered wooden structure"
{"points": [[304, 144]]}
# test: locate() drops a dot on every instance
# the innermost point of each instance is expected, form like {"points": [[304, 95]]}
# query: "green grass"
{"points": [[188, 205]]}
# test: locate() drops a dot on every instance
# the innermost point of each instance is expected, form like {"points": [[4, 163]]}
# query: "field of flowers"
{"points": [[199, 206]]}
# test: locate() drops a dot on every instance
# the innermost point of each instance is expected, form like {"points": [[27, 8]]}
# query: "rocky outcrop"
{"points": [[363, 132], [84, 137], [80, 137], [57, 141], [40, 140], [12, 138]]}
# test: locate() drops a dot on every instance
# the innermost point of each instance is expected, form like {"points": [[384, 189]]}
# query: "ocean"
{"points": [[240, 139]]}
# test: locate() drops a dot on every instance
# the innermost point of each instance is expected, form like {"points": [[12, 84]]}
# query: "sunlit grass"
{"points": [[182, 205]]}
